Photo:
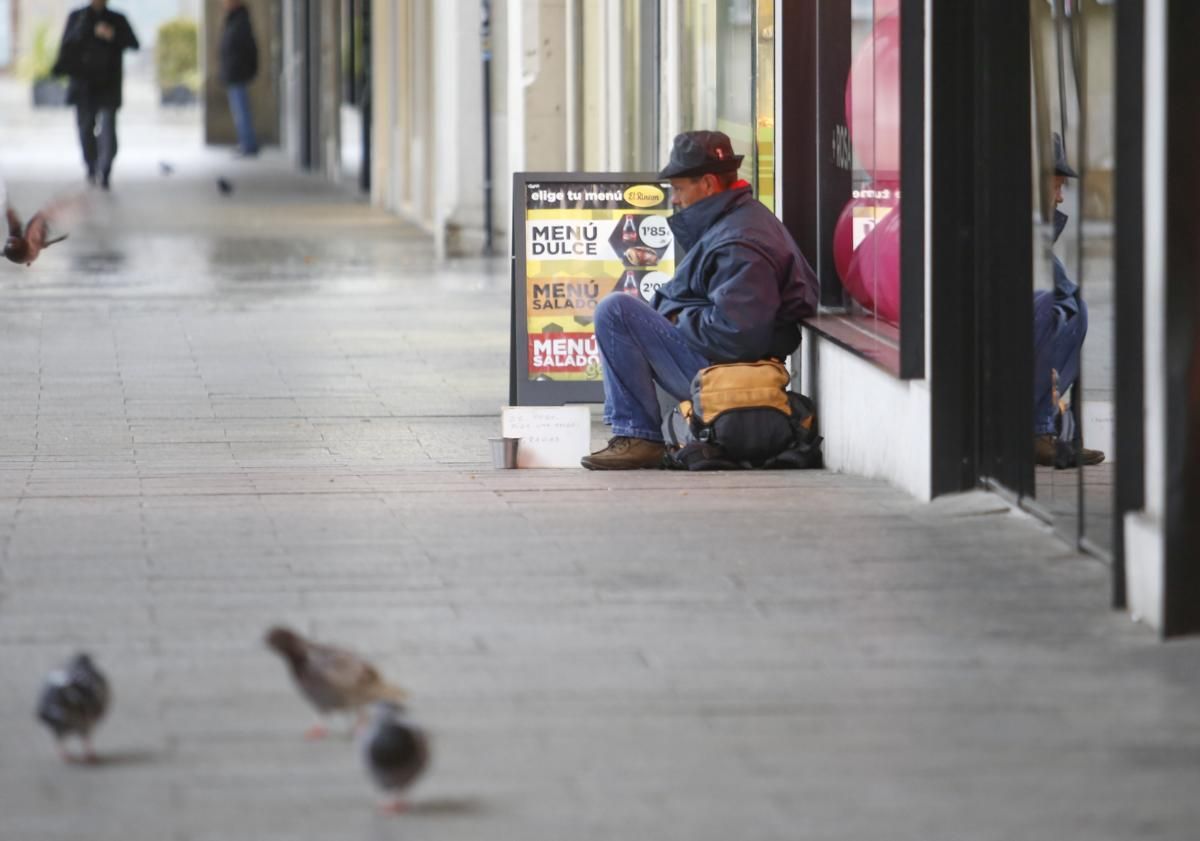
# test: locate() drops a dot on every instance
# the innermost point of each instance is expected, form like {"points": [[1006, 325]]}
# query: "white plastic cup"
{"points": [[504, 453]]}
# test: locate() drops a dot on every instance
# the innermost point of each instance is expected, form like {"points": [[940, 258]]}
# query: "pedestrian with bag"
{"points": [[94, 42]]}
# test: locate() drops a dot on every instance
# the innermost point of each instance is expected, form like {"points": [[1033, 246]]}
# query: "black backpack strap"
{"points": [[700, 455]]}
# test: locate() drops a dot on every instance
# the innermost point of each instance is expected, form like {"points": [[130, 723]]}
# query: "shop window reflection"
{"points": [[1072, 70], [727, 79], [865, 144]]}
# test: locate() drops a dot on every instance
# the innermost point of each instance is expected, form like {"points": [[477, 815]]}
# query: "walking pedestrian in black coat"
{"points": [[91, 54]]}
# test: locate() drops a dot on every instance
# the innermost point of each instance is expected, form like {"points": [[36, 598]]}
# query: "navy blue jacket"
{"points": [[741, 290], [94, 65], [238, 50], [1066, 291]]}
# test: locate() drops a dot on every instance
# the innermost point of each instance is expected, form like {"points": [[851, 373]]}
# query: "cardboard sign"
{"points": [[578, 237], [551, 436]]}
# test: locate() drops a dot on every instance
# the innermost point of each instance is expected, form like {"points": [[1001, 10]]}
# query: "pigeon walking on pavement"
{"points": [[332, 679], [74, 699], [395, 752]]}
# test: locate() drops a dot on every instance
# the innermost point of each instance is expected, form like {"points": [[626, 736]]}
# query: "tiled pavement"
{"points": [[220, 413]]}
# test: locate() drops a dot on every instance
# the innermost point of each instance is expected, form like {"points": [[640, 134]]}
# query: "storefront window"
{"points": [[861, 175], [640, 74], [727, 79], [1073, 284]]}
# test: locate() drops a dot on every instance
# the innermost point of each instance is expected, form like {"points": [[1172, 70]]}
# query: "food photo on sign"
{"points": [[642, 241]]}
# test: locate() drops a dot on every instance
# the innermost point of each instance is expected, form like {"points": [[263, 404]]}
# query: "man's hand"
{"points": [[105, 31]]}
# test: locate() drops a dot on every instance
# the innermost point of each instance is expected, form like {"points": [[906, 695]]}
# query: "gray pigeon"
{"points": [[395, 752], [74, 698], [332, 679]]}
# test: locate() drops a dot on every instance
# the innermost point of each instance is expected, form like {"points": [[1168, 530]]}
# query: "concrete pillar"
{"points": [[537, 85], [428, 100], [458, 129], [329, 90]]}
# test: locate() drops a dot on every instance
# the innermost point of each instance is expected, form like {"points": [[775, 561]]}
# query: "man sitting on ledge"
{"points": [[737, 296]]}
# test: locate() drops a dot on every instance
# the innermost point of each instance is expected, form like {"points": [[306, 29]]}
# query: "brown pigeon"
{"points": [[24, 246], [332, 679]]}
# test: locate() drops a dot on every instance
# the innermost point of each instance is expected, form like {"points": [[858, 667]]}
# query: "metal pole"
{"points": [[485, 37]]}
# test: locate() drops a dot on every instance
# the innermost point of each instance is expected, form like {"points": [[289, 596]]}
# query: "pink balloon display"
{"points": [[843, 241], [875, 268], [873, 100], [843, 236], [883, 8]]}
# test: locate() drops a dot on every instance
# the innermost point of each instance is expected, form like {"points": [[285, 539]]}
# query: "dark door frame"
{"points": [[1128, 292], [982, 333], [1181, 577]]}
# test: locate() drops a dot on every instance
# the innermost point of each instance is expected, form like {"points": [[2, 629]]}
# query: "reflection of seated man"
{"points": [[737, 296], [1060, 322]]}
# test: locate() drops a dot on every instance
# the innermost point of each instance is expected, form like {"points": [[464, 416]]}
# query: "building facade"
{"points": [[909, 147]]}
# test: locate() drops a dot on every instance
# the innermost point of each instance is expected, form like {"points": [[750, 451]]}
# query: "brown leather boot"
{"points": [[624, 453], [1044, 450]]}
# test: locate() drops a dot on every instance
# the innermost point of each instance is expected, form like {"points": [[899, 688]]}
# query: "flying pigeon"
{"points": [[395, 752], [23, 246], [74, 699], [332, 679]]}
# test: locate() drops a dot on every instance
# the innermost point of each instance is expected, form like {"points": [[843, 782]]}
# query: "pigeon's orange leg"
{"points": [[317, 731], [395, 806]]}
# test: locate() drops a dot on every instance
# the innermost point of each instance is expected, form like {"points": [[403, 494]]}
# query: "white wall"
{"points": [[874, 424], [1145, 549]]}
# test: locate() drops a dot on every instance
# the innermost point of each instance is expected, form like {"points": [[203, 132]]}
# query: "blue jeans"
{"points": [[243, 120], [639, 348], [1057, 342], [97, 136]]}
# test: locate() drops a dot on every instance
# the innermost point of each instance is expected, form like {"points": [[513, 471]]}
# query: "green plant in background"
{"points": [[177, 55], [37, 63]]}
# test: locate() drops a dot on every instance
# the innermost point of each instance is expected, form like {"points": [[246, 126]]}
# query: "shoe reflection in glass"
{"points": [[1057, 449]]}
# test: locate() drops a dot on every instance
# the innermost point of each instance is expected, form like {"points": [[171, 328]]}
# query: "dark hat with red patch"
{"points": [[700, 152]]}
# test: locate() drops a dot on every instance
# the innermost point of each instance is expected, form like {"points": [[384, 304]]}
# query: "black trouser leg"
{"points": [[106, 141], [85, 119]]}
